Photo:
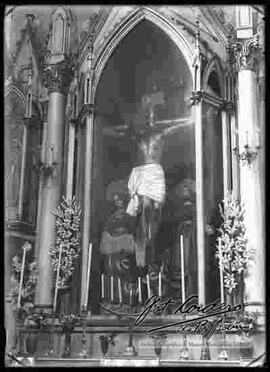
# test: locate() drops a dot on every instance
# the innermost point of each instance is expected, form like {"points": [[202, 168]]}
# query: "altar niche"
{"points": [[143, 96]]}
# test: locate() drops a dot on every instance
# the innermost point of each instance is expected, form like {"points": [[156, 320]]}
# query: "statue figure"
{"points": [[186, 192], [146, 183], [118, 231], [118, 245], [146, 187]]}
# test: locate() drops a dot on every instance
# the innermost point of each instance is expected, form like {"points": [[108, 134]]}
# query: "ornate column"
{"points": [[88, 117], [231, 108], [251, 173], [57, 78], [200, 215]]}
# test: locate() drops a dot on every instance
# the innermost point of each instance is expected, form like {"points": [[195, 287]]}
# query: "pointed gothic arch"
{"points": [[213, 66], [12, 88], [127, 25]]}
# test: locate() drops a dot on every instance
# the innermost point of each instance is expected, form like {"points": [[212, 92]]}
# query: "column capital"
{"points": [[246, 53], [57, 77]]}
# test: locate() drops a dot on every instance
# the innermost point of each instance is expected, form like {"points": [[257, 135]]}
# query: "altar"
{"points": [[143, 179], [134, 173]]}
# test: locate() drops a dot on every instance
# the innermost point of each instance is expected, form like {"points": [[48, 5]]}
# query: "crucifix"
{"points": [[151, 101], [147, 184]]}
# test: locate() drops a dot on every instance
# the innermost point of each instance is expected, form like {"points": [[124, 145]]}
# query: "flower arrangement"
{"points": [[233, 249], [67, 221], [28, 290]]}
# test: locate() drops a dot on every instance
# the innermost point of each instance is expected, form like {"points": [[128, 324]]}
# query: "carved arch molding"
{"points": [[122, 24]]}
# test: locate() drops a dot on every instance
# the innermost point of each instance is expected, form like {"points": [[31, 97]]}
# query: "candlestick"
{"points": [[182, 269], [111, 288], [159, 284], [119, 290], [57, 278], [148, 285], [26, 247], [221, 273], [88, 274], [102, 286], [140, 289]]}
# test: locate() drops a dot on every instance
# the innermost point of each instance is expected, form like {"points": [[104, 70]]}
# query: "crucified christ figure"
{"points": [[147, 185]]}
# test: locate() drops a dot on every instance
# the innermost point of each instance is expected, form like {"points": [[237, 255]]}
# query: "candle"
{"points": [[221, 273], [57, 278], [111, 288], [159, 284], [26, 247], [88, 274], [140, 289], [182, 269], [148, 285], [119, 290], [102, 286]]}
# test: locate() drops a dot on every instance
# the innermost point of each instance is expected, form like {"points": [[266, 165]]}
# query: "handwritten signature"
{"points": [[199, 322]]}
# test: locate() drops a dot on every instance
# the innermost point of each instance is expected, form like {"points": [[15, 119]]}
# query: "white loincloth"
{"points": [[146, 180]]}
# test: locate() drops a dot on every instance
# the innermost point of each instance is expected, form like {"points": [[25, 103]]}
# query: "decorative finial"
{"points": [[90, 55], [30, 71]]}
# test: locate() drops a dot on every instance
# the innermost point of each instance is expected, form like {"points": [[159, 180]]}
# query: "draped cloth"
{"points": [[145, 180], [146, 187]]}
